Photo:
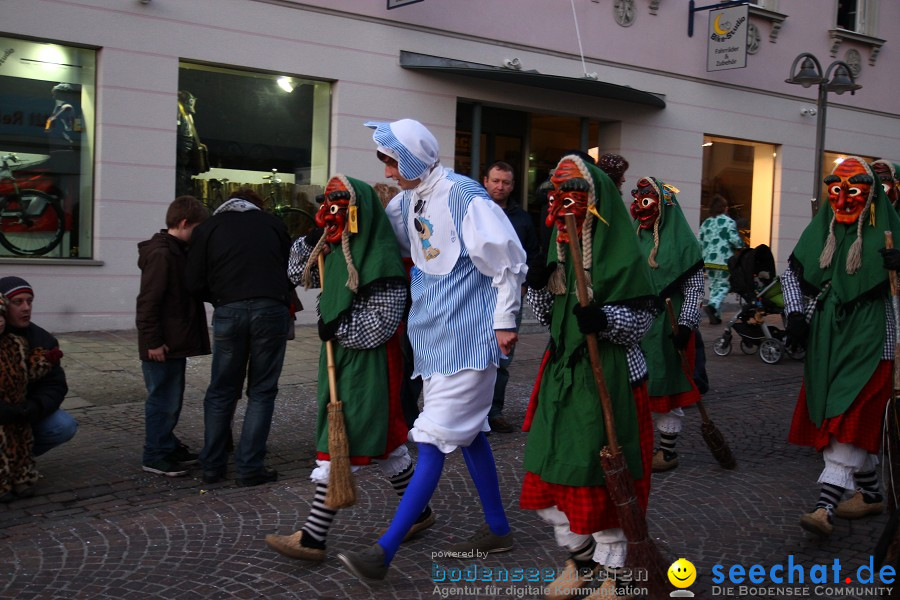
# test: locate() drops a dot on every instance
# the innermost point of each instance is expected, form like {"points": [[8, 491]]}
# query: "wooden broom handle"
{"points": [[895, 299], [685, 365], [329, 349], [591, 338]]}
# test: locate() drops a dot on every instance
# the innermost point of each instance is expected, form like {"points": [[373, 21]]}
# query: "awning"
{"points": [[575, 85]]}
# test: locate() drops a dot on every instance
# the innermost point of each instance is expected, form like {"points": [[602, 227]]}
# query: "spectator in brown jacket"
{"points": [[171, 325]]}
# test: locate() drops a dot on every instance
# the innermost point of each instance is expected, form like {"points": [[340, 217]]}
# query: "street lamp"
{"points": [[837, 78]]}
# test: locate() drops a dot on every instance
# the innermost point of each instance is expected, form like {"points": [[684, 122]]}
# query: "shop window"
{"points": [[744, 173], [242, 128], [47, 93]]}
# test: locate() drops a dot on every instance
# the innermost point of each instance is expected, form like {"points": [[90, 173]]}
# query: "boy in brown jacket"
{"points": [[171, 325]]}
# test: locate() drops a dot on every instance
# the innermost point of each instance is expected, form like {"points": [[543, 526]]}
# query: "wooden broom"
{"points": [[341, 485], [714, 439], [642, 552]]}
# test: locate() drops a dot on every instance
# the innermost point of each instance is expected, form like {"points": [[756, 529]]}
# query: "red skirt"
{"points": [[859, 425], [663, 404], [397, 432], [589, 508]]}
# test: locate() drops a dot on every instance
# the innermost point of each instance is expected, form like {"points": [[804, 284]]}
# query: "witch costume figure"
{"points": [[888, 175], [361, 306], [676, 270], [849, 330], [564, 480]]}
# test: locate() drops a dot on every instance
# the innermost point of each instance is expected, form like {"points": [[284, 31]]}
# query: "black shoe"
{"points": [[213, 476], [266, 476], [713, 315], [368, 564], [183, 456], [166, 467], [500, 425]]}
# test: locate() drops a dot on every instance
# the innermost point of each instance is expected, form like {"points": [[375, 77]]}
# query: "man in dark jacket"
{"points": [[171, 326], [44, 396], [238, 261], [499, 183]]}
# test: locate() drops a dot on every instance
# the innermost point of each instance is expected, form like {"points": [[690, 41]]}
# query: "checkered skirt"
{"points": [[589, 508]]}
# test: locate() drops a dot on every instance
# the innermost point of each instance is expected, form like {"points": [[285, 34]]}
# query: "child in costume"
{"points": [[360, 308], [676, 270], [564, 480]]}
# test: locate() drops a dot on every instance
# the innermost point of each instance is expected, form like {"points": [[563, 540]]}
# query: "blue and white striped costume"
{"points": [[466, 282]]}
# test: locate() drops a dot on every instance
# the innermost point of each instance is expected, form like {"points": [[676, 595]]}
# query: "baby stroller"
{"points": [[752, 277]]}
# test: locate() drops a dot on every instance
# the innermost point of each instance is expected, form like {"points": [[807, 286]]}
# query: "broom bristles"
{"points": [[341, 485], [717, 445]]}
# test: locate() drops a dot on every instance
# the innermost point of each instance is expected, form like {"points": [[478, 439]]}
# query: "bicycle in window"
{"points": [[298, 220], [32, 221]]}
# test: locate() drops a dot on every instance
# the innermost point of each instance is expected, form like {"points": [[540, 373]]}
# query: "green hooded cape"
{"points": [[362, 380], [568, 431], [678, 257], [847, 330]]}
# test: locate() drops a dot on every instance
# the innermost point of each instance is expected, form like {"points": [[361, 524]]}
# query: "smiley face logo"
{"points": [[682, 573]]}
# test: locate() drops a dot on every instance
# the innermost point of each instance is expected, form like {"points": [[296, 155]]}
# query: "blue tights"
{"points": [[480, 462]]}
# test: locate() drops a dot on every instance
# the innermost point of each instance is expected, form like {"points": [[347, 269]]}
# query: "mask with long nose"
{"points": [[332, 214], [569, 195], [849, 187]]}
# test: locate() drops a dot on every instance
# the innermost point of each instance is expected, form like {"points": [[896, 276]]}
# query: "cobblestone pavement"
{"points": [[99, 527]]}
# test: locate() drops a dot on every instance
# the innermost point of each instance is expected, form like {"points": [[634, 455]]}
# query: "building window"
{"points": [[244, 128], [856, 15], [744, 173], [46, 149]]}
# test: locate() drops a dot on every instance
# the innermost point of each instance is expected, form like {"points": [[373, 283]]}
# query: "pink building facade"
{"points": [[90, 109]]}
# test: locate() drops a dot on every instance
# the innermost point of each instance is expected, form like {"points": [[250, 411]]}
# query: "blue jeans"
{"points": [[165, 394], [56, 429], [249, 334]]}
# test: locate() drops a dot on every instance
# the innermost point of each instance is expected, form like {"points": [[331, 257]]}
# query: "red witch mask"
{"points": [[332, 214], [569, 195], [849, 186], [883, 172], [645, 208]]}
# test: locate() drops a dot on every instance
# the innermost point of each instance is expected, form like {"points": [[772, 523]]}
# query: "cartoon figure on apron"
{"points": [[425, 229]]}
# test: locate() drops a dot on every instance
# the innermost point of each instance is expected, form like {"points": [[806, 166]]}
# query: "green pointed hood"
{"points": [[878, 217], [373, 251], [678, 254]]}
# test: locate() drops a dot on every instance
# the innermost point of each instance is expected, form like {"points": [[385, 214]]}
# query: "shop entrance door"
{"points": [[531, 142]]}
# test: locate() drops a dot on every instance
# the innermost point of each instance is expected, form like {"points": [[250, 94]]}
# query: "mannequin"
{"points": [[191, 156], [64, 127]]}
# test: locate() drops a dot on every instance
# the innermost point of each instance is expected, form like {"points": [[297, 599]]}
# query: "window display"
{"points": [[244, 128], [742, 172], [46, 149]]}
